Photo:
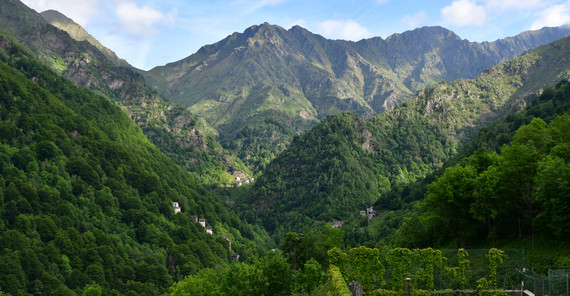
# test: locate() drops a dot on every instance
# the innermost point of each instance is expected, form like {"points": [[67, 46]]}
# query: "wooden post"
{"points": [[356, 289], [408, 286]]}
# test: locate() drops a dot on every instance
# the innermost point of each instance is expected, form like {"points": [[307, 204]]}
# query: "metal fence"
{"points": [[510, 275], [557, 283]]}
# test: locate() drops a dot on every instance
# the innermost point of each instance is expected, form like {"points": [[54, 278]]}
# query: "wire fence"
{"points": [[557, 283], [510, 275]]}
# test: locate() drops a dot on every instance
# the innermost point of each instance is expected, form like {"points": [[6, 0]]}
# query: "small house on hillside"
{"points": [[371, 213], [337, 223], [202, 221], [195, 218], [176, 207], [209, 230], [240, 182]]}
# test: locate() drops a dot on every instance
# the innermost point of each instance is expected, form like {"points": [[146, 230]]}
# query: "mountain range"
{"points": [[256, 91], [270, 84], [96, 157], [346, 164]]}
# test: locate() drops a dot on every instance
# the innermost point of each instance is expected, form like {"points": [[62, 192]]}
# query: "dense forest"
{"points": [[508, 187], [512, 181], [91, 182], [346, 164], [86, 199]]}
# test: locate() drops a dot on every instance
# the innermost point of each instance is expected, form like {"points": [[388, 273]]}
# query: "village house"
{"points": [[176, 207], [209, 230], [240, 182], [195, 218], [235, 256], [371, 213], [337, 223], [202, 221]]}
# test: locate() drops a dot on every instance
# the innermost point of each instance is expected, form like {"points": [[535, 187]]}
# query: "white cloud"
{"points": [[142, 21], [415, 20], [343, 29], [553, 16], [79, 11], [464, 13]]}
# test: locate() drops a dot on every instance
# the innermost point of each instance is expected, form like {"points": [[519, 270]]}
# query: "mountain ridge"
{"points": [[305, 77], [194, 147], [64, 23], [346, 163]]}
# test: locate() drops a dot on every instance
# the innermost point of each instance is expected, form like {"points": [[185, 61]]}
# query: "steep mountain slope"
{"points": [[272, 83], [62, 22], [346, 164], [86, 200], [177, 132], [507, 189]]}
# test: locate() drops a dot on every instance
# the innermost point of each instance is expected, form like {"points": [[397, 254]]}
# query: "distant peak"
{"points": [[55, 16]]}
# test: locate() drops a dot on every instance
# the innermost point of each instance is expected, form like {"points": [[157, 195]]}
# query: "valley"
{"points": [[119, 181]]}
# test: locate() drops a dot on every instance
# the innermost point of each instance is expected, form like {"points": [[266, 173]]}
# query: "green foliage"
{"points": [[205, 282], [460, 272], [270, 275], [492, 205], [337, 284], [278, 273], [400, 262], [181, 135], [507, 193], [340, 167], [365, 267], [429, 260], [310, 277], [86, 199], [345, 164], [495, 257], [314, 243], [381, 292]]}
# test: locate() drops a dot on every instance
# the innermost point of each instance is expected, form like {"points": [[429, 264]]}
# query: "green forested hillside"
{"points": [[182, 135], [512, 182], [346, 164], [86, 199]]}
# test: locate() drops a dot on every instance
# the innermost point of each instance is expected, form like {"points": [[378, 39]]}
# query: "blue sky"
{"points": [[149, 33]]}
